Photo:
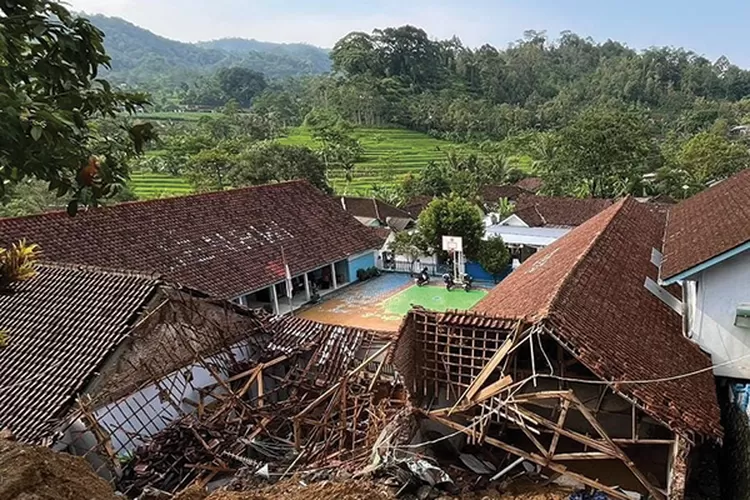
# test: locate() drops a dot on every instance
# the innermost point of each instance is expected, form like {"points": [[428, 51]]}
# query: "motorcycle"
{"points": [[423, 278], [448, 280], [467, 282]]}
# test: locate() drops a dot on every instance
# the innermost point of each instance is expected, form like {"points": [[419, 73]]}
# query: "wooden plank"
{"points": [[335, 386], [588, 455], [560, 423], [655, 493], [492, 390], [485, 373], [532, 457], [261, 390]]}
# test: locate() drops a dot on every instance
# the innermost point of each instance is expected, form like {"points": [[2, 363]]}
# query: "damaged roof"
{"points": [[588, 287], [226, 243], [371, 208], [60, 327], [558, 211], [708, 225]]}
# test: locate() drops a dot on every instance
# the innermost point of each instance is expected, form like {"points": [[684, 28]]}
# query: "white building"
{"points": [[707, 250]]}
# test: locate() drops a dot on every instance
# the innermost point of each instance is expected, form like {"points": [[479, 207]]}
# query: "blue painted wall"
{"points": [[361, 262], [477, 272]]}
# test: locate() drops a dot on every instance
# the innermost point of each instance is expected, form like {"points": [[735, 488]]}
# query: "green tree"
{"points": [[410, 244], [452, 216], [267, 162], [241, 84], [337, 146], [604, 152], [493, 256], [207, 170], [49, 93], [708, 156], [355, 54]]}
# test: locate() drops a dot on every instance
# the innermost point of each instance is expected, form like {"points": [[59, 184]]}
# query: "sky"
{"points": [[711, 29]]}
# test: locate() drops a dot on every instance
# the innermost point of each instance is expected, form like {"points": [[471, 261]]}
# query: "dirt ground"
{"points": [[38, 473], [368, 490]]}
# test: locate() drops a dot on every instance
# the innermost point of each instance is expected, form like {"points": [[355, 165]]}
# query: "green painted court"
{"points": [[435, 298]]}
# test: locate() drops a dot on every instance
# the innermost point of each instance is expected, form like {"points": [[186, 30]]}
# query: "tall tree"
{"points": [[273, 162], [241, 84], [49, 93], [493, 256], [452, 216], [604, 152]]}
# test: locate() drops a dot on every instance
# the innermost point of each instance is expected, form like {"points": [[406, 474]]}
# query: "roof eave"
{"points": [[692, 271]]}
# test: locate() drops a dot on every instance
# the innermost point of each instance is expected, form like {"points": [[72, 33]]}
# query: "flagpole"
{"points": [[288, 281]]}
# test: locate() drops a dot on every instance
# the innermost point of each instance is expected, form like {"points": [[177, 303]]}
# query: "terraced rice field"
{"points": [[148, 185], [389, 153]]}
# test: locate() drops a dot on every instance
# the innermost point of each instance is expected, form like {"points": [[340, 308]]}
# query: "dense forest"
{"points": [[590, 118]]}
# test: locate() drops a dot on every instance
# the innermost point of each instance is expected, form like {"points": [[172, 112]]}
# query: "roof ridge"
{"points": [[157, 201], [153, 276], [616, 208]]}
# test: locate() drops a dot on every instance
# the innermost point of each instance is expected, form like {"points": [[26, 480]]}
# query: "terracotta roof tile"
{"points": [[538, 211], [588, 287], [225, 243], [416, 205], [707, 225], [492, 193], [61, 325]]}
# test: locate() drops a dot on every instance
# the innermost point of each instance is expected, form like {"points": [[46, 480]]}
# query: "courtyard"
{"points": [[382, 302]]}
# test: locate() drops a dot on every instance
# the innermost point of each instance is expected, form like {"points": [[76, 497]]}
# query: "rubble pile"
{"points": [[36, 472]]}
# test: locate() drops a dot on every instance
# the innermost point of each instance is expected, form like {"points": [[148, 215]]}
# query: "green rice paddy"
{"points": [[147, 185], [389, 154], [435, 298]]}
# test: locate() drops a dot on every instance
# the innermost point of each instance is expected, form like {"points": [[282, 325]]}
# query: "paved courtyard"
{"points": [[381, 303]]}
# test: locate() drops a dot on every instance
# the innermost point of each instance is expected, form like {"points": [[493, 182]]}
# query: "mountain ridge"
{"points": [[140, 56]]}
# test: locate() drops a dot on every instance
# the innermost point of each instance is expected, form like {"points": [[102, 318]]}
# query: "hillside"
{"points": [[318, 58], [140, 56]]}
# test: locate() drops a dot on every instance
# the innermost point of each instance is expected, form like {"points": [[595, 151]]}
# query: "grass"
{"points": [[389, 154], [435, 298], [148, 185], [186, 116]]}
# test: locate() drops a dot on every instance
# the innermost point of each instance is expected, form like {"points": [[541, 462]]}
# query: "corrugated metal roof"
{"points": [[60, 326], [531, 236]]}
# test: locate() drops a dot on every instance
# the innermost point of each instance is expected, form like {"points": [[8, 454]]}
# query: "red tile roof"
{"points": [[707, 225], [531, 184], [61, 325], [416, 205], [588, 287], [492, 193], [225, 243], [538, 211]]}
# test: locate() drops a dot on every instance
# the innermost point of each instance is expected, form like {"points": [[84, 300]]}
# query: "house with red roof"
{"points": [[538, 221], [707, 251], [263, 246], [589, 349]]}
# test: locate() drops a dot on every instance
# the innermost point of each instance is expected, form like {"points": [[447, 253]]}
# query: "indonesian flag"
{"points": [[288, 280]]}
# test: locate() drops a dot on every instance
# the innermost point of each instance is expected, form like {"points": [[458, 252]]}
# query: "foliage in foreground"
{"points": [[17, 263], [50, 93]]}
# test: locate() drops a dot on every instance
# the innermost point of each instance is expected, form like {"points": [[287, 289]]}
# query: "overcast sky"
{"points": [[709, 28]]}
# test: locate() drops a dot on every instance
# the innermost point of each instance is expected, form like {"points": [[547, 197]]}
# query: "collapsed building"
{"points": [[575, 364]]}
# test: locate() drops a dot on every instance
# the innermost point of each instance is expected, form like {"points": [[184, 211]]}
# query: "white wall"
{"points": [[712, 302]]}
